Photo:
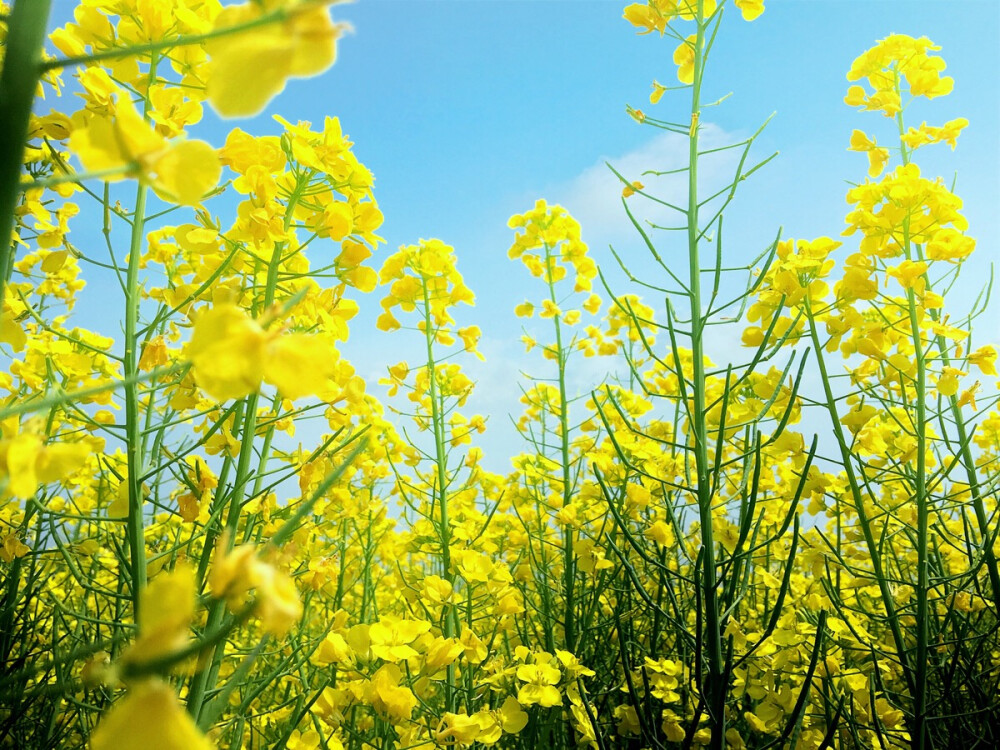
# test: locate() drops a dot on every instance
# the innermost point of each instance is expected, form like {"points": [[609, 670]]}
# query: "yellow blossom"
{"points": [[149, 716], [684, 57], [984, 358], [182, 172], [248, 69], [231, 354], [658, 89], [750, 9], [629, 190], [227, 352], [390, 638], [541, 679]]}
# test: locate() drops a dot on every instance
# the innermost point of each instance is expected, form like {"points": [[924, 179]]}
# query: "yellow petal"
{"points": [[149, 717], [167, 608], [11, 333], [248, 70], [169, 601], [137, 136], [227, 352], [59, 460], [315, 42], [300, 365], [119, 506], [22, 453], [186, 172], [97, 148]]}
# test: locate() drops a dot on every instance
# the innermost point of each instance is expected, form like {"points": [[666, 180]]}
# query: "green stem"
{"points": [[133, 438], [920, 739], [569, 558], [133, 428], [715, 699], [892, 617], [441, 467], [18, 84]]}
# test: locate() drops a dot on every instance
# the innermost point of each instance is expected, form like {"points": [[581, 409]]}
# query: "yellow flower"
{"points": [[684, 59], [231, 354], [985, 358], [947, 384], [458, 729], [750, 9], [688, 9], [437, 590], [154, 354], [513, 717], [658, 89], [11, 332], [628, 721], [299, 364], [26, 463], [387, 697], [334, 649], [12, 548], [441, 652], [303, 740], [909, 274], [969, 396], [150, 716], [753, 336], [387, 322], [592, 304], [549, 309], [877, 157], [390, 638], [235, 572], [250, 68], [949, 244], [855, 96], [645, 17], [278, 603], [181, 172], [541, 679], [629, 190], [167, 607], [227, 352], [470, 336]]}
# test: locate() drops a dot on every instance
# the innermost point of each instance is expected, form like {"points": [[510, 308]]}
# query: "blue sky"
{"points": [[467, 111]]}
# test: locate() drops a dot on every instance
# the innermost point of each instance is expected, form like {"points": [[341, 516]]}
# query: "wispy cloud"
{"points": [[594, 196]]}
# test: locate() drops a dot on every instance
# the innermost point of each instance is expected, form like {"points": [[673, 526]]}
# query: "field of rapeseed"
{"points": [[673, 561]]}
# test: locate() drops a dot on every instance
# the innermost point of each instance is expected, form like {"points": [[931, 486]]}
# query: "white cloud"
{"points": [[594, 196]]}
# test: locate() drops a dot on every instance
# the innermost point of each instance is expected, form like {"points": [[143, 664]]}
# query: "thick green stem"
{"points": [[892, 616], [133, 427], [133, 438], [920, 738], [921, 500], [569, 555], [715, 698], [18, 84], [441, 496]]}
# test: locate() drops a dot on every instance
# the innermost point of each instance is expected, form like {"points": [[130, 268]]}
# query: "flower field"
{"points": [[216, 532]]}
